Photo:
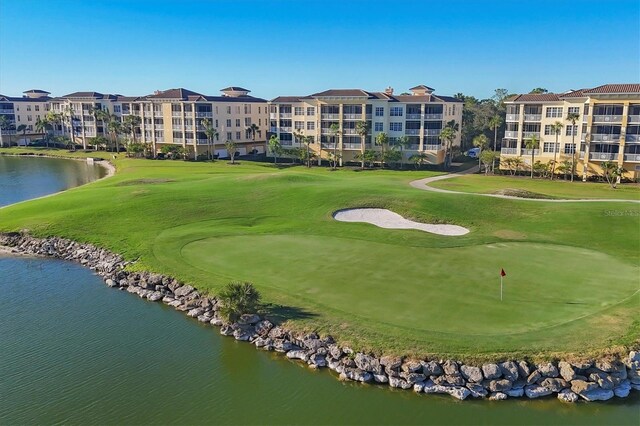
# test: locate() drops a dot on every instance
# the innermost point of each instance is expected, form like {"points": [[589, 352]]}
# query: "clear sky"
{"points": [[301, 47]]}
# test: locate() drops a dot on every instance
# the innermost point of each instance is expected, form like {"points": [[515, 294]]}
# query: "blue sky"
{"points": [[301, 47]]}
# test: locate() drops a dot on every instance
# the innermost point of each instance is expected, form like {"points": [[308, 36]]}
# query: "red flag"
{"points": [[502, 273]]}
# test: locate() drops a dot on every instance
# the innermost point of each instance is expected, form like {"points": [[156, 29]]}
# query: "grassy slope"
{"points": [[397, 292], [557, 189]]}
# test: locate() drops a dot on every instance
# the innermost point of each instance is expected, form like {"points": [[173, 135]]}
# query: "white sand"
{"points": [[387, 219]]}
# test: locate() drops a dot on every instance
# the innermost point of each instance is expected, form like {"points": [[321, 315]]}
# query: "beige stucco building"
{"points": [[420, 115], [607, 129], [24, 110]]}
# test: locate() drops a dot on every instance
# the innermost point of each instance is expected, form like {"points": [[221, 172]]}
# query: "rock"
{"points": [[277, 333], [413, 378], [472, 374], [318, 360], [417, 387], [195, 312], [497, 396], [580, 386], [133, 289], [524, 370], [335, 351], [411, 366], [623, 389], [536, 391], [491, 371], [226, 330], [217, 321], [263, 327], [298, 354], [556, 385], [431, 368], [582, 365], [607, 366], [458, 392], [155, 296], [249, 319], [430, 387], [454, 379], [183, 291], [499, 385], [368, 363], [634, 376], [397, 382], [548, 370], [176, 303], [241, 335], [519, 384], [357, 375], [603, 380], [110, 283], [450, 368], [597, 394], [509, 370], [167, 299], [204, 318], [477, 390], [566, 395], [261, 342], [515, 393], [391, 361], [566, 371], [534, 377], [380, 378]]}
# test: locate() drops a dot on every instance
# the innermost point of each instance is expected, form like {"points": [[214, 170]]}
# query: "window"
{"points": [[247, 109], [298, 111], [37, 107], [586, 110], [574, 110], [216, 110], [298, 125], [28, 107], [311, 111], [229, 134], [311, 125], [216, 123], [548, 147], [548, 130], [569, 148], [228, 122], [237, 122], [259, 121], [229, 110], [29, 118], [554, 112], [238, 136], [454, 109], [238, 109], [395, 127], [176, 121], [572, 130], [117, 108], [396, 112], [247, 121], [378, 127], [380, 112]]}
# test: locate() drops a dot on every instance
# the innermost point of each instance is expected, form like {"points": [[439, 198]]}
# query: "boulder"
{"points": [[414, 378], [226, 330], [566, 371], [477, 390], [497, 396], [607, 366], [155, 296], [391, 361], [597, 394], [318, 360], [261, 342], [450, 368], [217, 321], [534, 377], [556, 385], [397, 382], [183, 291], [167, 299], [357, 375], [110, 283], [368, 363], [417, 387], [472, 374], [335, 351], [431, 387], [500, 385], [623, 389], [515, 393], [634, 376], [603, 380], [298, 354], [548, 370], [380, 378], [431, 368], [454, 379], [458, 392], [491, 371], [524, 370], [509, 370], [536, 391], [411, 366], [580, 386], [246, 319], [566, 395], [195, 312], [242, 335], [204, 318], [175, 303]]}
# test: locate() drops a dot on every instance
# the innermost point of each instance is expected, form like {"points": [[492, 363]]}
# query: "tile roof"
{"points": [[573, 94], [234, 89], [343, 92], [94, 95], [541, 97], [24, 99], [37, 91], [289, 98], [422, 86], [615, 88], [448, 98], [245, 98], [178, 94]]}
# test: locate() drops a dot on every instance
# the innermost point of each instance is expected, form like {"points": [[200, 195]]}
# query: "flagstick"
{"points": [[501, 287]]}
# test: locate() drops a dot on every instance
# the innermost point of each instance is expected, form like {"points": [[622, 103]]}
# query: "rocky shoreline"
{"points": [[596, 380]]}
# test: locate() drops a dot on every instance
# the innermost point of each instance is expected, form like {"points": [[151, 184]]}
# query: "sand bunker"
{"points": [[387, 219]]}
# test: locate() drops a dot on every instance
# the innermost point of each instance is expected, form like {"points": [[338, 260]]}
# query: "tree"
{"points": [[5, 124], [494, 123], [237, 299], [572, 117], [22, 128], [253, 129], [542, 169], [481, 142], [382, 140], [447, 136], [231, 150], [538, 91], [42, 126], [369, 157], [131, 122], [211, 133], [557, 129], [532, 144], [335, 133], [517, 163], [362, 129], [402, 143], [564, 167], [114, 127], [419, 159], [275, 148], [487, 157], [99, 141], [68, 115], [612, 172], [55, 118], [99, 115], [392, 155]]}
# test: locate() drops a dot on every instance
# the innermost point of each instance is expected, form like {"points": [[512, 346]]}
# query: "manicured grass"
{"points": [[572, 268], [553, 189], [59, 152]]}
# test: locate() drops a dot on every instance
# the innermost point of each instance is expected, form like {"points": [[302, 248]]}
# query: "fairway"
{"points": [[572, 268]]}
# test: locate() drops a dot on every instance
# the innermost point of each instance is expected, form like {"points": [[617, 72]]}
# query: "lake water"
{"points": [[74, 351]]}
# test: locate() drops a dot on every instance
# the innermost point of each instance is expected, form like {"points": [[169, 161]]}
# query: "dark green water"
{"points": [[23, 178], [73, 351]]}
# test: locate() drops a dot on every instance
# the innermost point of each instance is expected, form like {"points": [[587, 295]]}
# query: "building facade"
{"points": [[420, 115], [607, 128], [25, 110]]}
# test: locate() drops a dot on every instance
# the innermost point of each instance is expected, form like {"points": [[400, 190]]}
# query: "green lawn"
{"points": [[572, 269], [552, 189]]}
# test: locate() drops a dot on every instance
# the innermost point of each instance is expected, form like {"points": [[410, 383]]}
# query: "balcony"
{"points": [[532, 117], [176, 113], [352, 116], [273, 116], [7, 111], [412, 131], [202, 141], [607, 118], [414, 116], [413, 147], [513, 117], [157, 113], [285, 115], [528, 152], [509, 151], [433, 116], [273, 129], [634, 158], [632, 138], [326, 131], [597, 137], [603, 156], [367, 116], [432, 132], [188, 127], [511, 134], [178, 140], [351, 145], [630, 118], [350, 132], [160, 139], [204, 114], [581, 156], [528, 135], [330, 116], [432, 147], [328, 145], [285, 129]]}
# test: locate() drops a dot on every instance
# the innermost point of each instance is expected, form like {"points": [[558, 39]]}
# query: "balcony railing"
{"points": [[351, 145], [632, 138], [412, 147], [413, 116], [509, 151], [597, 137], [432, 147], [607, 118], [327, 145], [433, 116], [285, 129], [632, 157], [157, 113], [285, 115], [7, 111], [367, 116], [513, 117], [528, 152], [350, 132], [273, 116], [581, 156], [532, 117], [512, 134], [326, 131], [160, 139], [352, 116], [412, 131], [273, 129], [176, 113], [188, 127], [330, 116], [432, 132], [603, 156], [204, 114], [178, 140], [630, 118], [202, 141], [527, 135]]}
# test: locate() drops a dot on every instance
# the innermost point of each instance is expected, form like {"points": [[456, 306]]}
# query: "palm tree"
{"points": [[99, 115], [42, 126], [131, 122], [494, 123], [382, 139], [211, 133], [557, 129], [335, 133], [306, 140], [231, 150], [572, 117], [448, 135], [68, 114], [23, 128], [532, 144], [419, 159], [362, 129], [275, 147], [55, 118], [114, 127], [237, 299], [253, 129], [4, 124], [403, 142], [482, 142]]}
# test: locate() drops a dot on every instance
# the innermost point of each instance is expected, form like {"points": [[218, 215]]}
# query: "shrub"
{"points": [[237, 299]]}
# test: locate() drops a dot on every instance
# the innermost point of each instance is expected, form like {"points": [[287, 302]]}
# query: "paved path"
{"points": [[423, 184]]}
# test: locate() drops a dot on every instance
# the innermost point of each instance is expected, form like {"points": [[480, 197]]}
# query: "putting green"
{"points": [[450, 290]]}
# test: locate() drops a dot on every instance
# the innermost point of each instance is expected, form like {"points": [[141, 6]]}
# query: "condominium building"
{"points": [[607, 128], [172, 117], [24, 110], [420, 115]]}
